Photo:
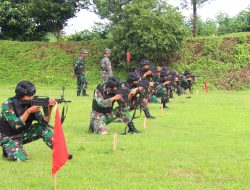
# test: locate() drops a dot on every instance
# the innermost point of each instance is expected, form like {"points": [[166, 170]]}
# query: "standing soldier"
{"points": [[106, 69], [79, 68]]}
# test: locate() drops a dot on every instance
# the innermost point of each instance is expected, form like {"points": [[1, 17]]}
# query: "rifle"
{"points": [[43, 101]]}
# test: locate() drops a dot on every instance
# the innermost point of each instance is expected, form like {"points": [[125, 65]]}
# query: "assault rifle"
{"points": [[43, 101]]}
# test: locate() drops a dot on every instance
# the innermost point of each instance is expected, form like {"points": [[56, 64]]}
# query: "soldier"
{"points": [[79, 69], [187, 81], [103, 112], [105, 64], [16, 128]]}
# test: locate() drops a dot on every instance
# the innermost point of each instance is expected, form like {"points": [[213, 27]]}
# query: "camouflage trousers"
{"points": [[81, 83], [99, 121], [162, 92], [13, 145]]}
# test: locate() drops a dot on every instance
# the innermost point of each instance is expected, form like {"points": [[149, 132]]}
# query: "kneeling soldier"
{"points": [[16, 128], [103, 112]]}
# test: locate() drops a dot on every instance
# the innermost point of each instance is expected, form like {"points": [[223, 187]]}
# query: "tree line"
{"points": [[148, 28]]}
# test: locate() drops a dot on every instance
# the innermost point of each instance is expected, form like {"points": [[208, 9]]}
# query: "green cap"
{"points": [[107, 50]]}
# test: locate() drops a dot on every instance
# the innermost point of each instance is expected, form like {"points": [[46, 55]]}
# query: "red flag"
{"points": [[60, 153], [128, 56], [206, 86]]}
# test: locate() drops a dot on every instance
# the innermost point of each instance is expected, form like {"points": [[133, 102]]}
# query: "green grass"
{"points": [[198, 143]]}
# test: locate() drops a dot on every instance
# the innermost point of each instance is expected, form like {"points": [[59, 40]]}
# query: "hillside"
{"points": [[215, 59]]}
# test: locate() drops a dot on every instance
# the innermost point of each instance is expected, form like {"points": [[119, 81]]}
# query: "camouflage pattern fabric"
{"points": [[162, 92], [13, 145], [99, 121], [106, 69], [82, 83], [79, 68]]}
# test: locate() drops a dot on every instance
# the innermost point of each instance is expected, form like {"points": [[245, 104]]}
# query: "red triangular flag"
{"points": [[128, 56], [206, 86], [60, 153]]}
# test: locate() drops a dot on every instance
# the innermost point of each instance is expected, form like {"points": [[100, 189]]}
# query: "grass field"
{"points": [[197, 143]]}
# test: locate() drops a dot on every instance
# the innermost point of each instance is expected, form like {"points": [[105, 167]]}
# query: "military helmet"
{"points": [[84, 51], [106, 50], [133, 77], [144, 62], [164, 74], [112, 82], [25, 88], [186, 72]]}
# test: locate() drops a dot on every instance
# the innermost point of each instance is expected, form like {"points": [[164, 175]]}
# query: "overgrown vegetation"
{"points": [[215, 59], [50, 64]]}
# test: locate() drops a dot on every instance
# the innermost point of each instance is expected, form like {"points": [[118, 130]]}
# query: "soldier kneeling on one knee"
{"points": [[16, 118], [103, 112]]}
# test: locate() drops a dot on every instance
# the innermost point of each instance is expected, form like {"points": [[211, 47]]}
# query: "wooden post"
{"points": [[55, 182], [115, 141], [145, 122]]}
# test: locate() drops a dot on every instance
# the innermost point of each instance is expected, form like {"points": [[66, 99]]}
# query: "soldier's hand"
{"points": [[165, 83], [34, 109], [149, 72], [52, 102], [117, 97], [133, 92]]}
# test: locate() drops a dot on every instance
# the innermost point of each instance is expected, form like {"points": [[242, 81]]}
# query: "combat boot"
{"points": [[84, 93], [164, 104], [70, 156], [147, 114], [78, 93], [5, 155], [131, 128]]}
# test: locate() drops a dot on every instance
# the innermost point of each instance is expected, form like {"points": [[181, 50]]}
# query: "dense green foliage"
{"points": [[213, 58], [223, 24], [29, 20], [197, 144], [149, 29]]}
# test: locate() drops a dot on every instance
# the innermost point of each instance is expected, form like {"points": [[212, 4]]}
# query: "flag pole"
{"points": [[55, 182]]}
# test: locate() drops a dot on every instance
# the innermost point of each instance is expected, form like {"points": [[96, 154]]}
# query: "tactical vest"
{"points": [[18, 109], [79, 69], [96, 107]]}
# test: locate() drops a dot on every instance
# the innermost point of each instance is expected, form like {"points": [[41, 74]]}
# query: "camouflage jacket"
{"points": [[106, 66], [10, 122], [79, 66]]}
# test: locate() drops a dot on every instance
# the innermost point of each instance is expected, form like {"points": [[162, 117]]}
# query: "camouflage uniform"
{"points": [[82, 82], [14, 132], [99, 120], [106, 69], [187, 81]]}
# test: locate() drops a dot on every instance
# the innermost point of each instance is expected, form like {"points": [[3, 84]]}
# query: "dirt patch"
{"points": [[228, 42], [184, 172], [235, 79], [69, 48]]}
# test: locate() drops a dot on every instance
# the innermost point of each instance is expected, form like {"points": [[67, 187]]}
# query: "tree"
{"points": [[225, 24], [15, 22], [195, 4], [242, 20], [149, 29], [52, 15], [207, 28], [32, 19], [111, 9]]}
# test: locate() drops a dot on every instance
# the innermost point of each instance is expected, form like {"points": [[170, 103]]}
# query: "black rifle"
{"points": [[43, 101]]}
